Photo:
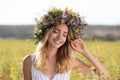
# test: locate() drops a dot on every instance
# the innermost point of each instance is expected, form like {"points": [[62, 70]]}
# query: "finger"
{"points": [[73, 44], [76, 42], [81, 41]]}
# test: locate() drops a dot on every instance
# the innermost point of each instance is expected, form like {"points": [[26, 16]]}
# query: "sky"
{"points": [[104, 12]]}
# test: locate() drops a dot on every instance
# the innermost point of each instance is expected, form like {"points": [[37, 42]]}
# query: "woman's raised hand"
{"points": [[79, 46]]}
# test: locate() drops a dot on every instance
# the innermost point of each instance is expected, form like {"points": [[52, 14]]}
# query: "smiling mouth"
{"points": [[57, 41]]}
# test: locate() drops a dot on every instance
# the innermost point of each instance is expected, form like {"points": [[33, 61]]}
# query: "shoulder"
{"points": [[78, 64], [75, 63], [77, 60], [27, 61]]}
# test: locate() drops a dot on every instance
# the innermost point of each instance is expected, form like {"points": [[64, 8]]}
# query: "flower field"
{"points": [[12, 52]]}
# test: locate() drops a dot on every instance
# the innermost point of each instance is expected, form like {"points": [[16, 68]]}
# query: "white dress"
{"points": [[38, 75]]}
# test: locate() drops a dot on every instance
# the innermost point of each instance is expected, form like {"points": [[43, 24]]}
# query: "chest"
{"points": [[51, 69], [49, 74]]}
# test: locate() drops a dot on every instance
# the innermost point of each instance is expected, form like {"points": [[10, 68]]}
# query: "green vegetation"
{"points": [[12, 52], [104, 32], [16, 31]]}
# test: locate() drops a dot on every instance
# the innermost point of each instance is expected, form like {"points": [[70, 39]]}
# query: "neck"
{"points": [[52, 52]]}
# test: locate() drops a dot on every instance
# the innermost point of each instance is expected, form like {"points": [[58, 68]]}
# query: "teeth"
{"points": [[57, 41]]}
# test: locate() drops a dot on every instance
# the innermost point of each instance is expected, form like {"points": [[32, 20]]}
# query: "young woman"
{"points": [[58, 36]]}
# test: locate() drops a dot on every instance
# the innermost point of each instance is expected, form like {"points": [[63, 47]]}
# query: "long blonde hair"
{"points": [[64, 56]]}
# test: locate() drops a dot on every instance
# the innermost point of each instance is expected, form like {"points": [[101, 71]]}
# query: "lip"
{"points": [[57, 41]]}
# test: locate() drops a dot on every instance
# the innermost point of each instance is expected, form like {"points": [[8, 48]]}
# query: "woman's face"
{"points": [[58, 36]]}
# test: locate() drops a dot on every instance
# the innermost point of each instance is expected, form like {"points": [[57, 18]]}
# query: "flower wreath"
{"points": [[57, 16]]}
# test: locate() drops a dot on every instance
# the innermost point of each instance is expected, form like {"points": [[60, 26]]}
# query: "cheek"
{"points": [[65, 39], [52, 35]]}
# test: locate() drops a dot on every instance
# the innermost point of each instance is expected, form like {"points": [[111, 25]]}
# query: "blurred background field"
{"points": [[102, 35], [103, 42], [104, 32]]}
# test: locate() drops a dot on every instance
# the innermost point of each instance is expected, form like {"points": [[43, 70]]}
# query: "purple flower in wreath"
{"points": [[56, 16]]}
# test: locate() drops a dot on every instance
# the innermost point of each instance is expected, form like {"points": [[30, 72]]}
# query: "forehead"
{"points": [[62, 27]]}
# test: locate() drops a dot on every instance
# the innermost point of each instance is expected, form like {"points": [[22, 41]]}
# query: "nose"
{"points": [[59, 36]]}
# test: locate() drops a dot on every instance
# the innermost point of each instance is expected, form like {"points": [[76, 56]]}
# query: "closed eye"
{"points": [[65, 35], [58, 30], [55, 31]]}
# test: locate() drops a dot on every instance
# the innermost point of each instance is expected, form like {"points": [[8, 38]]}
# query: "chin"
{"points": [[57, 46]]}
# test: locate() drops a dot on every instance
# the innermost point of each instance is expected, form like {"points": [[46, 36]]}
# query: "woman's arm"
{"points": [[79, 46], [27, 68]]}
